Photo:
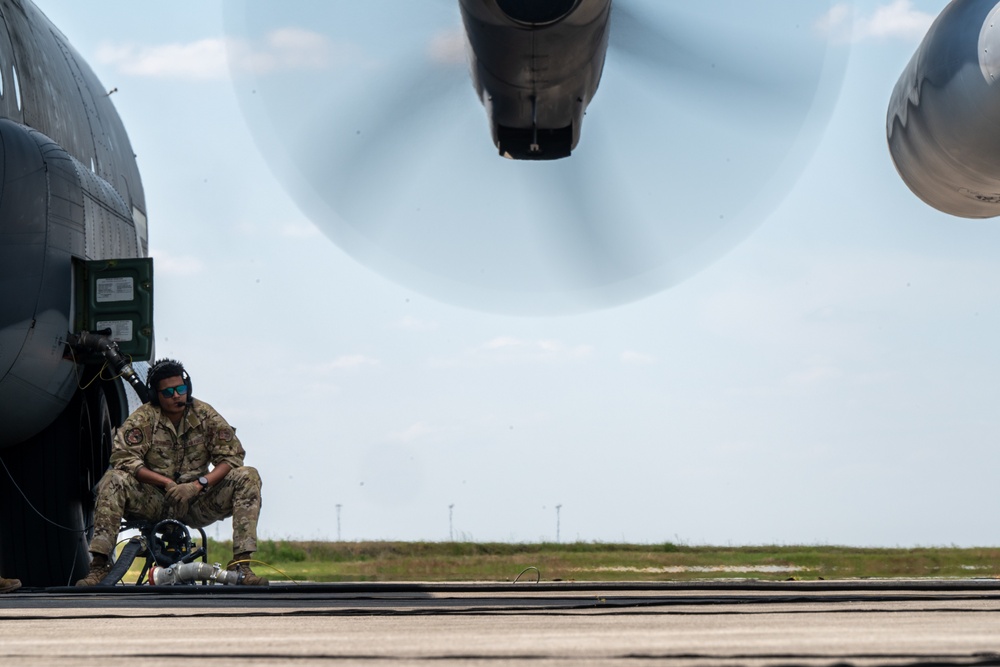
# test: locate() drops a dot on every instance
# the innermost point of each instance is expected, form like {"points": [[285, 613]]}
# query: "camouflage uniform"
{"points": [[148, 439]]}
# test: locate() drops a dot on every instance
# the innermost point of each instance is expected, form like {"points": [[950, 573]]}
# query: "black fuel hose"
{"points": [[124, 562], [101, 342]]}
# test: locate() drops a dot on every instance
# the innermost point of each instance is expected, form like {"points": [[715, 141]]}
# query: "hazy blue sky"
{"points": [[831, 379]]}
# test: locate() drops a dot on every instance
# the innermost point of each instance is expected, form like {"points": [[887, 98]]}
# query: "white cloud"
{"points": [[414, 432], [290, 49], [537, 349], [508, 349], [202, 60], [448, 48], [897, 19], [349, 362], [502, 342], [303, 230], [837, 21], [176, 266], [208, 59], [637, 358], [815, 374], [413, 324], [290, 229]]}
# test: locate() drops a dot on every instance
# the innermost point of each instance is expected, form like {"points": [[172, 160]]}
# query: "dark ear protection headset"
{"points": [[166, 368]]}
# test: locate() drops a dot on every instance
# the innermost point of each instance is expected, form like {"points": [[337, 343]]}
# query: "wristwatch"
{"points": [[204, 483]]}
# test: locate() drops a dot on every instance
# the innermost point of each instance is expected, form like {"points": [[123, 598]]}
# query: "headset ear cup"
{"points": [[154, 396], [150, 389]]}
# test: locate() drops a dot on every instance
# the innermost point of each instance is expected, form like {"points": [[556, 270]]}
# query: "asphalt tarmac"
{"points": [[572, 623]]}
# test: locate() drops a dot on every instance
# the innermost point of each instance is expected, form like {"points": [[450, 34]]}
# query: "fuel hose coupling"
{"points": [[192, 573]]}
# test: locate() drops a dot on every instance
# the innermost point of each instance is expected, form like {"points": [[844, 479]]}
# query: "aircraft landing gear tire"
{"points": [[45, 478], [95, 452]]}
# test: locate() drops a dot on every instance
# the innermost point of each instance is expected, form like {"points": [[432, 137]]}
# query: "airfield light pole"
{"points": [[338, 521], [558, 507], [451, 528]]}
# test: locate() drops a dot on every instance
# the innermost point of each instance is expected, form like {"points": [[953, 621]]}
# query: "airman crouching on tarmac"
{"points": [[160, 469]]}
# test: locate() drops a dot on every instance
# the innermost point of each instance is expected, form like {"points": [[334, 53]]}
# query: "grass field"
{"points": [[502, 562]]}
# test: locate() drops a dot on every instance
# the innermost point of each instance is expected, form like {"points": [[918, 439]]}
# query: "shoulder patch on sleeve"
{"points": [[226, 434], [134, 436]]}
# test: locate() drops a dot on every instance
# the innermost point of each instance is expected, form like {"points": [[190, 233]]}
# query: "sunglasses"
{"points": [[170, 391]]}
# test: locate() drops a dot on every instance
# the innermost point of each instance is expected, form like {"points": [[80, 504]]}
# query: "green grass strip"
{"points": [[598, 561]]}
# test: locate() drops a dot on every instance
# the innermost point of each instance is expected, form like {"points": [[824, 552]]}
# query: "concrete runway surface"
{"points": [[571, 623]]}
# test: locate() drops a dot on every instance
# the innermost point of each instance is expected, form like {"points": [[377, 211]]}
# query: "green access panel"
{"points": [[117, 294]]}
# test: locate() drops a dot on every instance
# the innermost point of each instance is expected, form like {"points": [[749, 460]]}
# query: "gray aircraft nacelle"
{"points": [[70, 197], [943, 124], [536, 65]]}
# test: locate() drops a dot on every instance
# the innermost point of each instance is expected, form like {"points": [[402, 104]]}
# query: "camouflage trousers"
{"points": [[120, 495]]}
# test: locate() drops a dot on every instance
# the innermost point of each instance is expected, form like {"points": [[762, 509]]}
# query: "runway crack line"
{"points": [[841, 660], [535, 611]]}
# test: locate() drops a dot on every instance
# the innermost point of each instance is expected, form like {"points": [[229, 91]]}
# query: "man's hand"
{"points": [[180, 495]]}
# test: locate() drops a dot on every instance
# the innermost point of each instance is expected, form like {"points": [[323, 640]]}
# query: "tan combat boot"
{"points": [[99, 568], [241, 563], [9, 585]]}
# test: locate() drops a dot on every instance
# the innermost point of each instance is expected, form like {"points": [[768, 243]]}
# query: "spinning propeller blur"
{"points": [[706, 114]]}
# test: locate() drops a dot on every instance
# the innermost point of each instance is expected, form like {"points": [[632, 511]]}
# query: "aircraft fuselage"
{"points": [[69, 192], [70, 189]]}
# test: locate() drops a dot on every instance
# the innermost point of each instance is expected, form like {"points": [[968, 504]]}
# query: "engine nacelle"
{"points": [[52, 209], [943, 124], [536, 66]]}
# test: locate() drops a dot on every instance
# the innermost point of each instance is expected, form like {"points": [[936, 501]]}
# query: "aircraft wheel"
{"points": [[43, 525], [95, 452]]}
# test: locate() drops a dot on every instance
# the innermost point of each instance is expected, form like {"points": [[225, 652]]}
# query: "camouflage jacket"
{"points": [[148, 439]]}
